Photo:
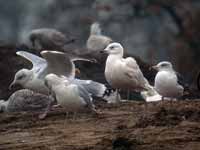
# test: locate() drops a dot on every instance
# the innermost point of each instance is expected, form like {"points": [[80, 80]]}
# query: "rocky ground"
{"points": [[126, 126]]}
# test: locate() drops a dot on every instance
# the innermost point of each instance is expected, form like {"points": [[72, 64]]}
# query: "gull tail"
{"points": [[95, 29], [150, 94], [94, 88]]}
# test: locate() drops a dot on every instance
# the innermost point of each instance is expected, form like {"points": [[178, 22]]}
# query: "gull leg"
{"points": [[44, 114], [145, 109], [117, 96], [171, 102], [128, 94], [162, 101], [74, 115], [162, 98], [93, 109], [66, 116]]}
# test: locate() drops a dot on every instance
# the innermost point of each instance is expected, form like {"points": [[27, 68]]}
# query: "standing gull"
{"points": [[55, 62], [96, 40], [71, 96], [124, 73], [47, 38], [166, 81], [24, 100]]}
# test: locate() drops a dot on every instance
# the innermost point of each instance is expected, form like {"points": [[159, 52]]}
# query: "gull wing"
{"points": [[58, 63], [92, 87], [133, 71], [36, 61], [83, 59], [86, 97], [181, 80]]}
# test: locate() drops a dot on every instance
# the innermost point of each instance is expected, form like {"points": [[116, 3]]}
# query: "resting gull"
{"points": [[96, 40], [24, 100], [166, 81], [47, 38], [124, 73]]}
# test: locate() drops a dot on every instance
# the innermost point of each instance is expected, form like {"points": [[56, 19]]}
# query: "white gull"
{"points": [[166, 81]]}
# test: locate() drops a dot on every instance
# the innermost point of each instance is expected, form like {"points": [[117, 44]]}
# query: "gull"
{"points": [[24, 100], [124, 73], [47, 38], [73, 97], [52, 62], [166, 81], [96, 40]]}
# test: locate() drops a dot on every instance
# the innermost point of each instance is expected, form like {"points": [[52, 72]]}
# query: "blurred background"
{"points": [[154, 30]]}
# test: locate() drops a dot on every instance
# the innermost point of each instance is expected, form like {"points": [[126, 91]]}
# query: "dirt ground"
{"points": [[126, 126]]}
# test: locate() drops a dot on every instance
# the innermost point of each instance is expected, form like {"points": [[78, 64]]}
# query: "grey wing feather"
{"points": [[92, 87], [58, 63], [82, 59], [35, 60], [86, 96], [181, 80]]}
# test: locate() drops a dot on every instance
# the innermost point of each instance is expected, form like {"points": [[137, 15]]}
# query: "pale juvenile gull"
{"points": [[166, 81], [55, 62], [97, 41], [73, 97], [124, 73], [47, 38], [24, 100]]}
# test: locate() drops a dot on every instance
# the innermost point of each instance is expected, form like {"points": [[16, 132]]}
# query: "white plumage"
{"points": [[124, 73], [70, 96], [166, 81], [55, 62]]}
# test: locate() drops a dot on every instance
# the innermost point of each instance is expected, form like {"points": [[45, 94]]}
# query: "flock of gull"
{"points": [[52, 81]]}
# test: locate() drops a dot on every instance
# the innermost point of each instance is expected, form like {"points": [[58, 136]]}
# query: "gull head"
{"points": [[21, 78], [164, 65], [114, 48], [95, 29]]}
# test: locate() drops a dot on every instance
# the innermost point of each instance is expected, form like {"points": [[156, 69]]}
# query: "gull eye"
{"points": [[21, 77], [164, 65], [112, 47]]}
